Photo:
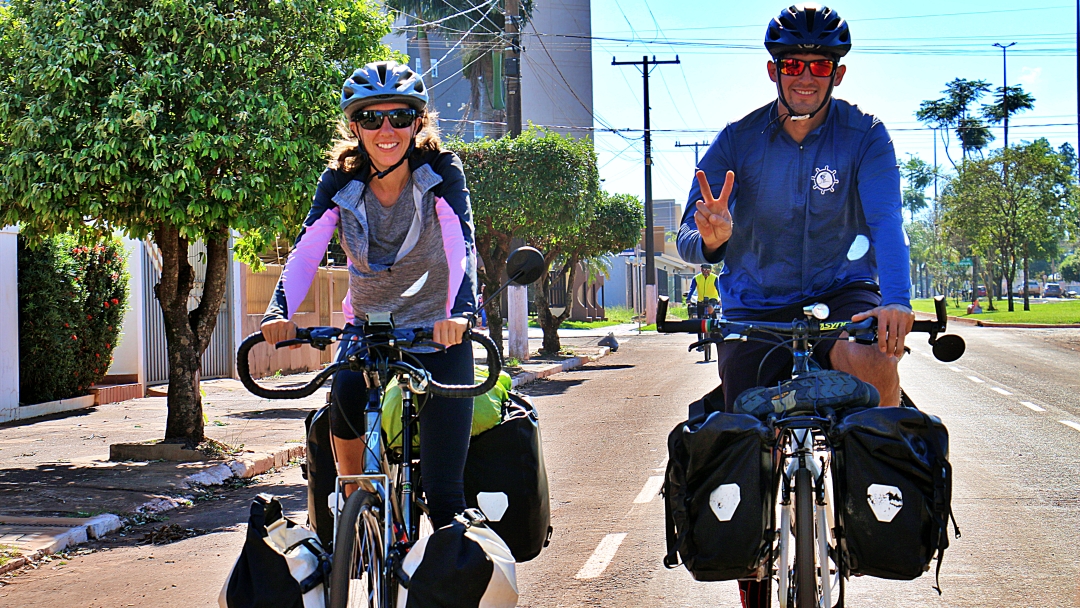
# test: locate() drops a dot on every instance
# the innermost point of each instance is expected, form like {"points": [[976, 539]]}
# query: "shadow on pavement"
{"points": [[593, 367], [294, 413], [543, 388]]}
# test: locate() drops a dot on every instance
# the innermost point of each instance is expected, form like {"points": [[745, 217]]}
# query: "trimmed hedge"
{"points": [[72, 298]]}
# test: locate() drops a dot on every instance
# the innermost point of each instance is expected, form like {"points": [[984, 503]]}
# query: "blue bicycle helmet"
{"points": [[808, 28], [383, 81]]}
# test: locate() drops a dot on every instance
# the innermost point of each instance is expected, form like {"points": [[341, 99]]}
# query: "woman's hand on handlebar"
{"points": [[449, 332], [279, 330], [893, 325]]}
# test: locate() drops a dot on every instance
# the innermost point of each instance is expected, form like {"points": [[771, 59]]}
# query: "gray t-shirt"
{"points": [[388, 225]]}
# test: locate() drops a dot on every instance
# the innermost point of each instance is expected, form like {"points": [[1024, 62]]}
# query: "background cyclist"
{"points": [[800, 201], [704, 284], [404, 219]]}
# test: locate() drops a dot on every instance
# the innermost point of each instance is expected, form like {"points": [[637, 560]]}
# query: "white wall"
{"points": [[9, 322], [128, 356]]}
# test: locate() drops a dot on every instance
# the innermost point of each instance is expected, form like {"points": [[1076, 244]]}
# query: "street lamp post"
{"points": [[1005, 87]]}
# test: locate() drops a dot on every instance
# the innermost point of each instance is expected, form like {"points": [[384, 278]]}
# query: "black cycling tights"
{"points": [[445, 425]]}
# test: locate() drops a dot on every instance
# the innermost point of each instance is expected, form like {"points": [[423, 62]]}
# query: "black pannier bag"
{"points": [[320, 471], [719, 496], [894, 482], [506, 479], [281, 565]]}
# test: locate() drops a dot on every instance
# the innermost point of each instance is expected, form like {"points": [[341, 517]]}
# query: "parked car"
{"points": [[980, 291], [1052, 290], [1033, 289], [1072, 294]]}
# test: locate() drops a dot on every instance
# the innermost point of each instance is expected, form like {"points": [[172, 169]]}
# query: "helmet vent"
{"points": [[382, 72]]}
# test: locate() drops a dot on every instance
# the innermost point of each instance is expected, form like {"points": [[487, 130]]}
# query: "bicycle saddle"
{"points": [[803, 395]]}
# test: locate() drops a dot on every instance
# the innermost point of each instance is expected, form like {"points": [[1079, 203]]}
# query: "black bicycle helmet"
{"points": [[383, 81], [808, 28]]}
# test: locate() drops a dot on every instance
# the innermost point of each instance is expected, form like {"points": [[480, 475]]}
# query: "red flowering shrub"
{"points": [[72, 299]]}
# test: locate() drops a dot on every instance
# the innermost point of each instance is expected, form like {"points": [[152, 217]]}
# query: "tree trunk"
{"points": [[493, 250], [1027, 298], [1010, 276], [187, 334], [550, 323]]}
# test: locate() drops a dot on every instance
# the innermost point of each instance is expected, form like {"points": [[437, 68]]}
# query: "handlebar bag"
{"points": [[506, 479], [320, 471], [894, 483], [718, 496], [281, 565], [461, 565], [487, 408]]}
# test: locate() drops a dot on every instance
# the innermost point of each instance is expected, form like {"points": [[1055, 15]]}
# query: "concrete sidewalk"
{"points": [[58, 487]]}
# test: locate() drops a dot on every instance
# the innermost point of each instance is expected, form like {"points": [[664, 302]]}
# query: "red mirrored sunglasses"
{"points": [[822, 68]]}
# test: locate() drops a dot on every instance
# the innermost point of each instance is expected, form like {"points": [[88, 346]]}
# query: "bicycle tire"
{"points": [[708, 352], [805, 572], [359, 556]]}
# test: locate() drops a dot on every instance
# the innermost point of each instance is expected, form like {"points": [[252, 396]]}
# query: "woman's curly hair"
{"points": [[346, 154]]}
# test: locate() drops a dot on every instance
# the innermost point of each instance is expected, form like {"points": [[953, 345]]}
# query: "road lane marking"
{"points": [[600, 558], [955, 369], [1031, 406], [1000, 390], [1070, 424], [975, 379], [651, 489]]}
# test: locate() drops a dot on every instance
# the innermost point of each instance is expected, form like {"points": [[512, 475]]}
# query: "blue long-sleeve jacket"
{"points": [[807, 218]]}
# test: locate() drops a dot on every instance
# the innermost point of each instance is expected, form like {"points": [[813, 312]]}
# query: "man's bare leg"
{"points": [[867, 363]]}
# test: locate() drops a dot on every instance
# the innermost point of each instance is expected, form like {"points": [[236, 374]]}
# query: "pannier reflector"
{"points": [[885, 501], [724, 500], [493, 504]]}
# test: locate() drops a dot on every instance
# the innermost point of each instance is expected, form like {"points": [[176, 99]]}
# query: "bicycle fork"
{"points": [[803, 456]]}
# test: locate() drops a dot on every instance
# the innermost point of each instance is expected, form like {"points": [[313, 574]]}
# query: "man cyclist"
{"points": [[704, 284], [800, 201]]}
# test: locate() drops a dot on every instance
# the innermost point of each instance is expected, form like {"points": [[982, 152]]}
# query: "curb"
{"points": [[96, 527], [980, 323], [569, 364]]}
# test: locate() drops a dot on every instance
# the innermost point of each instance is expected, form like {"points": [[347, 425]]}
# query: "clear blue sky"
{"points": [[903, 53]]}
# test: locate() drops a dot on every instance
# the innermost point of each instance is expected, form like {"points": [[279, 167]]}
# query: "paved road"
{"points": [[1016, 494]]}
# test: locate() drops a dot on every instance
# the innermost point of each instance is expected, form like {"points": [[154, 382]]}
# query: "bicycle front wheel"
{"points": [[357, 579], [805, 577]]}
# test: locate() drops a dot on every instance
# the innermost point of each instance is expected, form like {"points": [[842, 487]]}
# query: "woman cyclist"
{"points": [[402, 210]]}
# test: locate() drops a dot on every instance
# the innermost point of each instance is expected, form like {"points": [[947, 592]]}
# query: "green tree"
{"points": [[918, 175], [954, 112], [1070, 267], [1011, 205], [178, 121], [537, 183], [616, 223], [1019, 101]]}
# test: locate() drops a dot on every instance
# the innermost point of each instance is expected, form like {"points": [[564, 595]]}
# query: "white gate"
{"points": [[217, 359]]}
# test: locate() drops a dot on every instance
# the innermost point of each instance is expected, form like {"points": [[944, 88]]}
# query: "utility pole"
{"points": [[517, 298], [1005, 91], [650, 263], [702, 144], [512, 68]]}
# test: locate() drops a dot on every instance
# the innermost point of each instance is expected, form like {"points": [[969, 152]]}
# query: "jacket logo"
{"points": [[825, 180]]}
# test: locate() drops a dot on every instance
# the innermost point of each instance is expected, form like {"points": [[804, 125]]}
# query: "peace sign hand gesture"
{"points": [[712, 216]]}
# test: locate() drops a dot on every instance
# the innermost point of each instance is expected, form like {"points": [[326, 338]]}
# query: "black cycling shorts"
{"points": [[738, 362]]}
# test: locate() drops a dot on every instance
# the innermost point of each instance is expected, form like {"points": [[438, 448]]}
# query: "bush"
{"points": [[72, 298]]}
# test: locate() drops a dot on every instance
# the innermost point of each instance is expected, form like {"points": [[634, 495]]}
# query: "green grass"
{"points": [[616, 315], [1053, 313]]}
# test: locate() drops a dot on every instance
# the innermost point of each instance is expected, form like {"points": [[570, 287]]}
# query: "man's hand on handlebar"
{"points": [[279, 330], [893, 325], [449, 332]]}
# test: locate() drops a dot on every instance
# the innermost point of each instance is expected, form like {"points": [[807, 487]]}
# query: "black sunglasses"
{"points": [[372, 120]]}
